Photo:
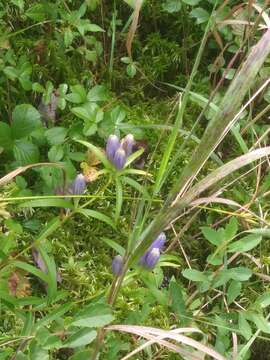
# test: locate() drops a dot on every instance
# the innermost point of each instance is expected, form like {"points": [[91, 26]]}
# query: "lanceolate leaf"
{"points": [[97, 215]]}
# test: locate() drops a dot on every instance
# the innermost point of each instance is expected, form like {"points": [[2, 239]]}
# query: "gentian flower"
{"points": [[152, 255], [117, 265], [118, 151], [127, 144], [152, 258], [112, 146], [78, 186], [120, 158]]}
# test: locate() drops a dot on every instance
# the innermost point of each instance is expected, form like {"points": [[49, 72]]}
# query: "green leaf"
{"points": [[47, 203], [178, 302], [191, 2], [36, 352], [98, 93], [25, 152], [131, 70], [214, 237], [78, 94], [172, 6], [97, 215], [6, 140], [11, 72], [245, 244], [94, 28], [96, 315], [81, 337], [233, 291], [36, 12], [56, 153], [136, 186], [56, 135], [114, 245], [260, 322], [81, 355], [264, 300], [240, 273], [31, 269], [200, 15], [25, 119], [244, 326], [194, 275]]}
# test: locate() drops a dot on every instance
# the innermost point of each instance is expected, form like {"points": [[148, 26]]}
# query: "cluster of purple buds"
{"points": [[78, 186], [117, 265], [118, 151], [151, 257]]}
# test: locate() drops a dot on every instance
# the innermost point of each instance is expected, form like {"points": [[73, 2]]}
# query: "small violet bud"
{"points": [[79, 185], [127, 144], [157, 244], [120, 158], [152, 258], [117, 265], [112, 146]]}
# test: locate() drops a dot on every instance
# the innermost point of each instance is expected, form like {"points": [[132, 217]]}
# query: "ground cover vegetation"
{"points": [[134, 179]]}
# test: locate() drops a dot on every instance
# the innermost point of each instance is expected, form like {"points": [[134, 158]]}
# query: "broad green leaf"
{"points": [[56, 135], [245, 244], [81, 337], [25, 119], [194, 275], [97, 215], [260, 322], [231, 229], [240, 273], [98, 93], [264, 300], [81, 355], [213, 236], [25, 152], [172, 6], [53, 315], [95, 315], [244, 326], [200, 14], [263, 232], [56, 153], [94, 28], [191, 2], [77, 95], [233, 291], [47, 203], [6, 140], [36, 352], [36, 12]]}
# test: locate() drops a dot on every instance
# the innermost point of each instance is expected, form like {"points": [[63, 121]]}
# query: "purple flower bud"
{"points": [[120, 158], [127, 144], [78, 186], [112, 146], [152, 258], [159, 242], [117, 265]]}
